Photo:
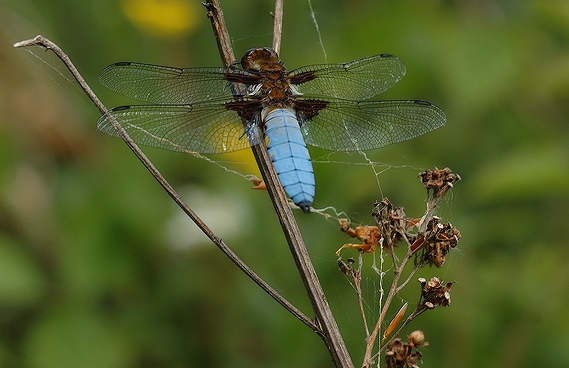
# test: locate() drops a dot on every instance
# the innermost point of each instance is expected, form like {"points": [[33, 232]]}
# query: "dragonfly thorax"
{"points": [[258, 58]]}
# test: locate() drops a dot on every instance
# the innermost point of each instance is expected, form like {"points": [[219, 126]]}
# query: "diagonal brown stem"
{"points": [[49, 45]]}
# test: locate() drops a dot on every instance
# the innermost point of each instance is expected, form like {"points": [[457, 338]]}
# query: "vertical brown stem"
{"points": [[324, 318], [278, 25]]}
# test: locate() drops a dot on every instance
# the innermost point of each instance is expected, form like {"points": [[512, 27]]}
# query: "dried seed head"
{"points": [[391, 222], [417, 338], [434, 294], [438, 241], [439, 181], [402, 355]]}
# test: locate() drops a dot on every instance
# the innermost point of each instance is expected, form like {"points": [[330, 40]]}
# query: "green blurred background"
{"points": [[99, 269]]}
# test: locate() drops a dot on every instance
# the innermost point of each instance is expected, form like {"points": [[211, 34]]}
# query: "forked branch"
{"points": [[427, 241]]}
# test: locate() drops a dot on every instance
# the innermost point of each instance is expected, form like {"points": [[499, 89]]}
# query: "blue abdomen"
{"points": [[290, 157]]}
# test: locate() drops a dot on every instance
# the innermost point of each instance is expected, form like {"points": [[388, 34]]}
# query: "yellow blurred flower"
{"points": [[246, 161], [164, 18]]}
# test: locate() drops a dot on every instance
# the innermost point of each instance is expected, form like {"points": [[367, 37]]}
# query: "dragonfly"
{"points": [[257, 101]]}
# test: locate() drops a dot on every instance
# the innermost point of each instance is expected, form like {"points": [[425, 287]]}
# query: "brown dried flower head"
{"points": [[417, 338], [401, 354], [434, 294], [439, 181], [391, 226], [391, 221], [388, 216], [437, 242]]}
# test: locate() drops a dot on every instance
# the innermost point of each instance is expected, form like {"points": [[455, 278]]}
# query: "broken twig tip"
{"points": [[32, 41]]}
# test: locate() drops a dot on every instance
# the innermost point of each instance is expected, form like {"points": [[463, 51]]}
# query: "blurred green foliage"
{"points": [[99, 269]]}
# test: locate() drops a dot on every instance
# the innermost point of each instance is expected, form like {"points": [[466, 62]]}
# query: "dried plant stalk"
{"points": [[427, 242]]}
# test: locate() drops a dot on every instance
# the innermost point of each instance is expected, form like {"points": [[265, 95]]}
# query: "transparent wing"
{"points": [[357, 80], [352, 125], [203, 128], [166, 85]]}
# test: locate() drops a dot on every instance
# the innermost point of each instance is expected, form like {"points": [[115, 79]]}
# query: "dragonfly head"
{"points": [[257, 58]]}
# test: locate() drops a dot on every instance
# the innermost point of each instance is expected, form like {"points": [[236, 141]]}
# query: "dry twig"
{"points": [[427, 244], [329, 330], [325, 325]]}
